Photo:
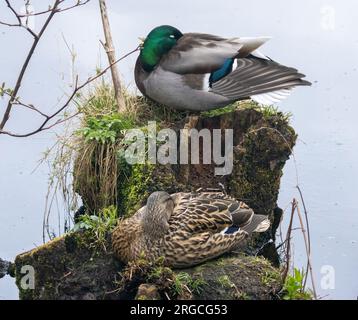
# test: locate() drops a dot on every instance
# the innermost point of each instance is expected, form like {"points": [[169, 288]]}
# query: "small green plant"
{"points": [[184, 281], [180, 281], [7, 91], [269, 277], [293, 287], [197, 284], [242, 295], [158, 270], [105, 128], [272, 111], [225, 281], [98, 225]]}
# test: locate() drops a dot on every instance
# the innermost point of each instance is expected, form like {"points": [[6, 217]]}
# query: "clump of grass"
{"points": [[101, 102], [95, 169], [225, 282], [184, 282], [269, 278], [95, 174], [197, 284], [293, 288], [98, 226], [268, 111]]}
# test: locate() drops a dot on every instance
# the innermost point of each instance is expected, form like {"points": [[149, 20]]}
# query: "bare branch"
{"points": [[13, 100], [26, 63], [10, 24], [13, 11], [45, 126]]}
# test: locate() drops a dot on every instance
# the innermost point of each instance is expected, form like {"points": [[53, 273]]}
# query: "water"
{"points": [[317, 37]]}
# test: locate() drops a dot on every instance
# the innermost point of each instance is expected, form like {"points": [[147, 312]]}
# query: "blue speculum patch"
{"points": [[225, 69], [232, 229]]}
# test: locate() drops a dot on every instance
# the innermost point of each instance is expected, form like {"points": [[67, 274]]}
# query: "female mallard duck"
{"points": [[198, 72], [185, 228]]}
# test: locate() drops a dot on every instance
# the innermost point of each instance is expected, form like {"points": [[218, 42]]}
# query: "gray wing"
{"points": [[254, 76], [203, 53]]}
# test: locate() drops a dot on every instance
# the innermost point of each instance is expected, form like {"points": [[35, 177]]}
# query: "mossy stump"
{"points": [[70, 268]]}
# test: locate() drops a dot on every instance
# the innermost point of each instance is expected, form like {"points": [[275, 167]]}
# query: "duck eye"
{"points": [[172, 36]]}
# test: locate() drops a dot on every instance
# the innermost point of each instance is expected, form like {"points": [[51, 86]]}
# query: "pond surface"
{"points": [[317, 37]]}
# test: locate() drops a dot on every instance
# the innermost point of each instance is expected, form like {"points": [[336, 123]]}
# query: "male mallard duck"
{"points": [[195, 71], [185, 228]]}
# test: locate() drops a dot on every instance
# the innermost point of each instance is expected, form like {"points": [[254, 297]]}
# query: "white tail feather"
{"points": [[273, 97]]}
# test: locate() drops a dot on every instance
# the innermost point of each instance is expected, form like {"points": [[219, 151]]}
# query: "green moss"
{"points": [[139, 181], [68, 265], [217, 112], [71, 242], [133, 188]]}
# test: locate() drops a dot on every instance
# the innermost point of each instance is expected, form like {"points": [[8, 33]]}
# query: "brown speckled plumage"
{"points": [[185, 228]]}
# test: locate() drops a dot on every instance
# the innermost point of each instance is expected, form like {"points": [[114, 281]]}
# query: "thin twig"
{"points": [[77, 4], [308, 231], [288, 240], [305, 237]]}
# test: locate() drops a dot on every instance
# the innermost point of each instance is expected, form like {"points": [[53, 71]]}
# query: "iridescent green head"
{"points": [[158, 42]]}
